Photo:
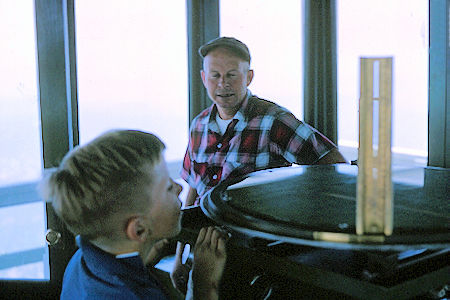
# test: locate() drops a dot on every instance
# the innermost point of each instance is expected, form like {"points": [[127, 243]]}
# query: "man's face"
{"points": [[165, 217], [226, 78]]}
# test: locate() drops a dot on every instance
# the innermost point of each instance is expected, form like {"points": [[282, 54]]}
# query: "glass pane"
{"points": [[397, 29], [23, 248], [132, 70], [20, 159], [23, 253], [274, 35], [19, 271]]}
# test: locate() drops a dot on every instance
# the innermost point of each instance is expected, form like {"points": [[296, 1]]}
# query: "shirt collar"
{"points": [[106, 263], [240, 115], [126, 255], [128, 270]]}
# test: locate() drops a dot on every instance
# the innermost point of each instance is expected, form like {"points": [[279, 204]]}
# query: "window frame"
{"points": [[439, 83], [57, 91], [203, 25]]}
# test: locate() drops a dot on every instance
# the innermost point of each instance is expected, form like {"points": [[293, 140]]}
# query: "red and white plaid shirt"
{"points": [[262, 135]]}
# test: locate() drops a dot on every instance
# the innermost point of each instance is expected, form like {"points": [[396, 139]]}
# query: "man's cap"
{"points": [[234, 45]]}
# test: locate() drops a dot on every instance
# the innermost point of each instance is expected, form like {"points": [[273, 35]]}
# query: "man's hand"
{"points": [[332, 157]]}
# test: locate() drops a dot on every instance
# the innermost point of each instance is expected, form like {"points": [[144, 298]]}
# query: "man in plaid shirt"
{"points": [[241, 133]]}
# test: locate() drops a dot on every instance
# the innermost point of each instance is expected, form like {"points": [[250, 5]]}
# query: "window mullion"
{"points": [[57, 78], [203, 25]]}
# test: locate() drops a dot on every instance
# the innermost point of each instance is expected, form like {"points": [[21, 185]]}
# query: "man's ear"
{"points": [[202, 74], [249, 77], [137, 230]]}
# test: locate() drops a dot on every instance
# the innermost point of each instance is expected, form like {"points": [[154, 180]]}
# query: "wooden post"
{"points": [[374, 207]]}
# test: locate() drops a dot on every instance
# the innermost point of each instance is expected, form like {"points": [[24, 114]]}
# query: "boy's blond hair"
{"points": [[97, 183]]}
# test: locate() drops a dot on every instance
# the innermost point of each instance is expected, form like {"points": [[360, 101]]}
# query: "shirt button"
{"points": [[215, 176], [219, 145]]}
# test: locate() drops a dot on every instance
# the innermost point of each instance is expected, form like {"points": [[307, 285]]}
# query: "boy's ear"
{"points": [[137, 230]]}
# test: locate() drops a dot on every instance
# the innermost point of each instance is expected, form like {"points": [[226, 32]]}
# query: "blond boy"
{"points": [[115, 195]]}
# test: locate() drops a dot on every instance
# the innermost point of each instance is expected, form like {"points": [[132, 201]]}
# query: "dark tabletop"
{"points": [[298, 202]]}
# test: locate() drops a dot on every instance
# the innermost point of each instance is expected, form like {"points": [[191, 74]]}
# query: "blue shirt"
{"points": [[95, 274]]}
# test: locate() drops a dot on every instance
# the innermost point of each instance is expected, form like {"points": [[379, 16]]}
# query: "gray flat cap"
{"points": [[234, 45]]}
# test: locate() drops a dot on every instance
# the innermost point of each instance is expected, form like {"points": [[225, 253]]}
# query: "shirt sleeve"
{"points": [[297, 141], [186, 171]]}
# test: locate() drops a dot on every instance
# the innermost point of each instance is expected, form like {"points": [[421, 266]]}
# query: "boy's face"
{"points": [[165, 214]]}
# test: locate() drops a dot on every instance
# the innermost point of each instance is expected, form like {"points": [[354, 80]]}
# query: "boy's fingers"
{"points": [[208, 235], [161, 244], [211, 235], [201, 236], [214, 237], [221, 245], [225, 233]]}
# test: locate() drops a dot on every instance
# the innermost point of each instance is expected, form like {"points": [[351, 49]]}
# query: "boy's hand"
{"points": [[209, 262], [180, 276], [157, 252]]}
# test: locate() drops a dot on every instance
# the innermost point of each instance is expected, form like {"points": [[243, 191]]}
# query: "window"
{"points": [[397, 29], [19, 115], [274, 35], [132, 70], [23, 253]]}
